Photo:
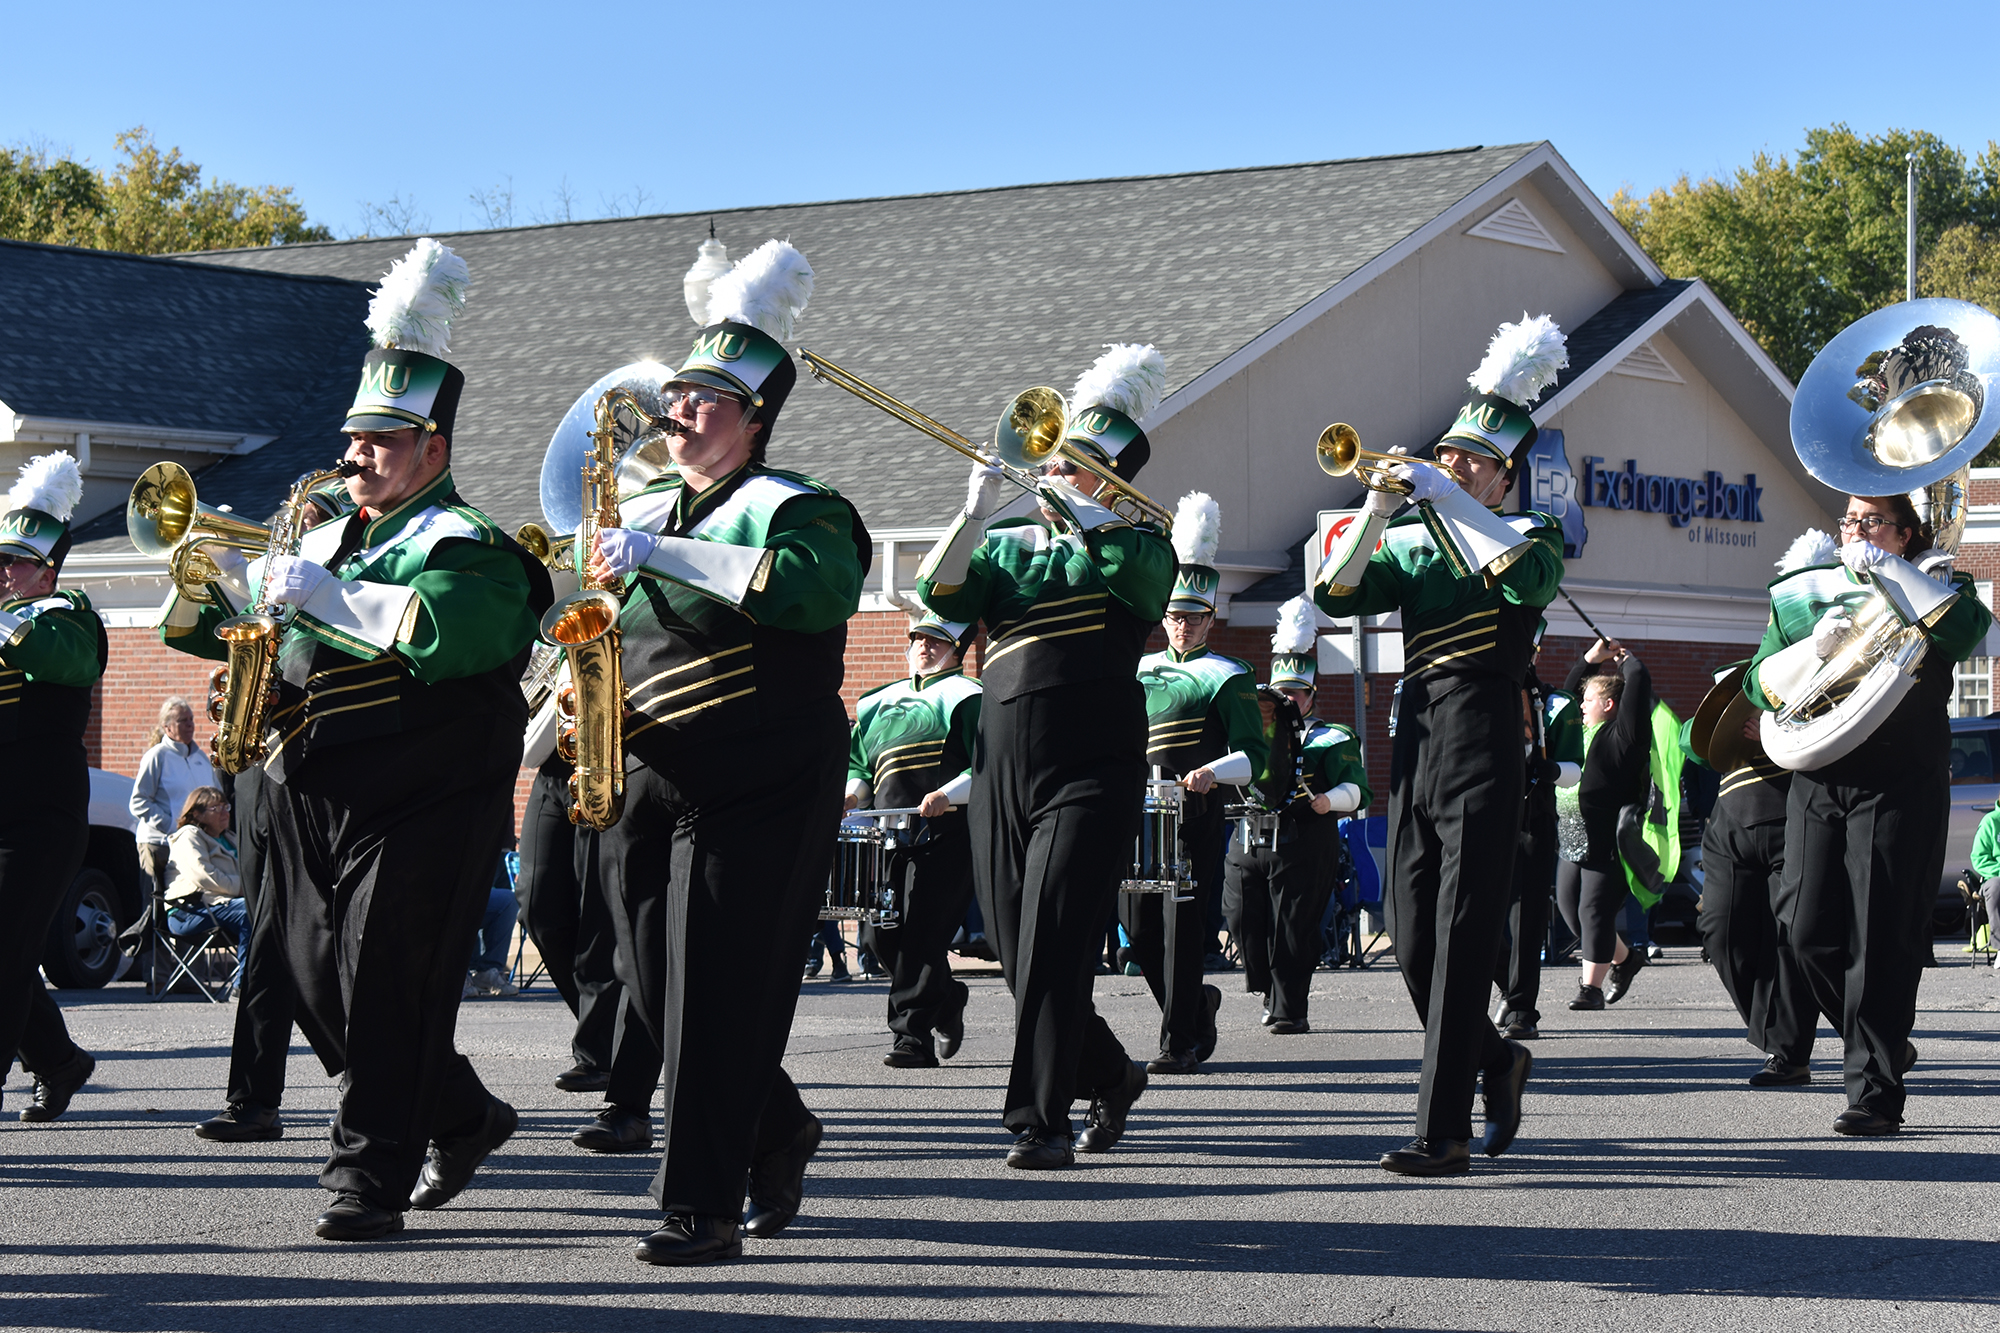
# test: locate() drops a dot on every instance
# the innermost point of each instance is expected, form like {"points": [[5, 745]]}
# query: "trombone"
{"points": [[1339, 454], [1028, 434]]}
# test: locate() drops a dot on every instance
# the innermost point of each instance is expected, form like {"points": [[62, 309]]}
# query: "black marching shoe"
{"points": [[1288, 1027], [616, 1129], [1040, 1150], [1174, 1062], [950, 1027], [1779, 1072], [351, 1217], [1619, 979], [1862, 1122], [242, 1123], [451, 1163], [577, 1078], [54, 1089], [1503, 1098], [778, 1182], [1517, 1026], [908, 1055], [1105, 1123], [1430, 1157], [1588, 997], [1211, 998], [690, 1238]]}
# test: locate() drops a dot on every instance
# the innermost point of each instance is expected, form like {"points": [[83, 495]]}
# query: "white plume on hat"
{"points": [[1522, 360], [50, 483], [1197, 528], [768, 290], [1811, 547], [1298, 628], [419, 297], [1129, 378]]}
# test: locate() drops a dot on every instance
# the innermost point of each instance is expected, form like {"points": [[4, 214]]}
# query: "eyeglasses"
{"points": [[1059, 467], [9, 561], [1867, 523], [699, 400]]}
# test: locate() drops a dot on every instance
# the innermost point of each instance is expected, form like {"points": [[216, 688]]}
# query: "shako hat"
{"points": [[35, 521], [1295, 646], [405, 380], [748, 316], [1197, 536], [931, 625], [1119, 390], [1521, 362]]}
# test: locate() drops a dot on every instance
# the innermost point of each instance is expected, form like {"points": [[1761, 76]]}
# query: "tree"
{"points": [[155, 202], [1801, 250]]}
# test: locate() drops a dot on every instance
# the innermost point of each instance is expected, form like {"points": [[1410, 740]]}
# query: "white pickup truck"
{"points": [[106, 896]]}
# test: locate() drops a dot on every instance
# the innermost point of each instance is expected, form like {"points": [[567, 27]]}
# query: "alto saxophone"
{"points": [[590, 709], [243, 690]]}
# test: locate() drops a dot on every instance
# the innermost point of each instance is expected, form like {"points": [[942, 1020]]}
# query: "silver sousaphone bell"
{"points": [[1900, 402]]}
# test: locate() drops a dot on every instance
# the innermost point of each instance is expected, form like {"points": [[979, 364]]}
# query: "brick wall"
{"points": [[141, 673]]}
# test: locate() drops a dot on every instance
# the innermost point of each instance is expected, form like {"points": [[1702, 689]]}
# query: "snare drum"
{"points": [[1157, 863], [1255, 826], [859, 887]]}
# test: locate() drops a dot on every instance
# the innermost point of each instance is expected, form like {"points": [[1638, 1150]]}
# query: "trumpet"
{"points": [[1339, 454], [163, 517], [1029, 433]]}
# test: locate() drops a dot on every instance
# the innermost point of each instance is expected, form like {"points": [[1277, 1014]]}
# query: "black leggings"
{"points": [[1591, 901]]}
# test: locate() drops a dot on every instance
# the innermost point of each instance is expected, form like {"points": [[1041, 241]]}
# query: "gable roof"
{"points": [[952, 302]]}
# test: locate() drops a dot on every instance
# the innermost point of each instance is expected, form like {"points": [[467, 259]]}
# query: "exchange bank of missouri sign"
{"points": [[1682, 499]]}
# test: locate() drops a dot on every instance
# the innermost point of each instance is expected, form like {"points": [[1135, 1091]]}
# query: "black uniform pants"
{"points": [[714, 875], [1058, 790], [42, 843], [268, 1000], [1454, 813], [572, 929], [1170, 940], [1518, 973], [1275, 899], [1741, 870], [381, 859], [1854, 906], [937, 885]]}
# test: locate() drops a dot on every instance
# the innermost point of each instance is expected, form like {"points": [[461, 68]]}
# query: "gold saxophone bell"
{"points": [[1339, 454]]}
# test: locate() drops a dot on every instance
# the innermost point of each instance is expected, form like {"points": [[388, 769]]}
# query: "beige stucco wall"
{"points": [[1678, 430], [1390, 359]]}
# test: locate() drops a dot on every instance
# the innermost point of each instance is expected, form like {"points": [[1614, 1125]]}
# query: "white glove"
{"points": [[1426, 482], [291, 580], [625, 549], [229, 560], [1831, 632], [983, 490], [1861, 556], [1382, 504]]}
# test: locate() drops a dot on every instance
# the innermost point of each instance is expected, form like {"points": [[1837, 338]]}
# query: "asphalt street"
{"points": [[1650, 1188]]}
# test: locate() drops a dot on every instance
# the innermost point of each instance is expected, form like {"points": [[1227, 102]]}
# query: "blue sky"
{"points": [[675, 107]]}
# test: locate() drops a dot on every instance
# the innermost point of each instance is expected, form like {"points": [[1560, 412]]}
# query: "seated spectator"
{"points": [[490, 970], [202, 882]]}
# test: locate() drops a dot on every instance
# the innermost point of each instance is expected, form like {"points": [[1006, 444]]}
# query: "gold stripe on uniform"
{"points": [[701, 684], [1416, 639], [692, 708], [1454, 656], [687, 666], [1012, 644], [1034, 612]]}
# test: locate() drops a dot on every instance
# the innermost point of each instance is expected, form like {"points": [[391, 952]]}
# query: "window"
{"points": [[1972, 756], [1972, 682]]}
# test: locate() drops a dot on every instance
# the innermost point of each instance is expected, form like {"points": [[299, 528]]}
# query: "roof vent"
{"points": [[1646, 364], [1515, 225]]}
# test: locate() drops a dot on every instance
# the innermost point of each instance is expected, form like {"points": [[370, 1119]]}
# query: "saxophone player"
{"points": [[736, 752], [392, 754]]}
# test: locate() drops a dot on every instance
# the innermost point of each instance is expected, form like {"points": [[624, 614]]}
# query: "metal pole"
{"points": [[1360, 690], [1910, 231]]}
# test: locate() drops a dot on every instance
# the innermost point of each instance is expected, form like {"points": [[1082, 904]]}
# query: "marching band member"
{"points": [[1742, 863], [1202, 728], [1058, 785], [399, 716], [912, 746], [1456, 773], [1862, 845], [734, 630], [52, 651], [1276, 893], [1552, 741]]}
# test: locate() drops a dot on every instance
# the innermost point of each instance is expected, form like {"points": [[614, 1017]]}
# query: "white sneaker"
{"points": [[492, 981]]}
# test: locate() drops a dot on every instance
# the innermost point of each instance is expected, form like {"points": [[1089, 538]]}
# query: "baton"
{"points": [[1581, 616]]}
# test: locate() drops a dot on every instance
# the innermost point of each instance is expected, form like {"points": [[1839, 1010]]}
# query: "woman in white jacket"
{"points": [[202, 882]]}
